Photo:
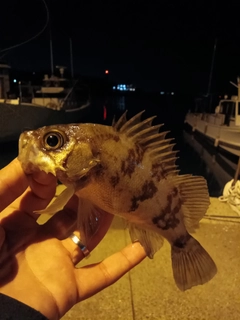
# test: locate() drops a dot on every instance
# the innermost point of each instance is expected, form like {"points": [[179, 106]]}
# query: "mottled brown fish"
{"points": [[127, 169]]}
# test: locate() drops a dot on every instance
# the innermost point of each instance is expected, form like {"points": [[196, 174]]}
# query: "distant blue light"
{"points": [[14, 80], [114, 87], [162, 92], [124, 87]]}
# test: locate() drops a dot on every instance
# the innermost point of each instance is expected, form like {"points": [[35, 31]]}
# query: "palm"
{"points": [[42, 261], [47, 267], [37, 263]]}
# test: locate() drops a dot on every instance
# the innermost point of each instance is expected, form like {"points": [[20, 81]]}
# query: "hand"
{"points": [[37, 262]]}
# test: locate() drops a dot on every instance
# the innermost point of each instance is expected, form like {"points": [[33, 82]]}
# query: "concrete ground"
{"points": [[149, 292]]}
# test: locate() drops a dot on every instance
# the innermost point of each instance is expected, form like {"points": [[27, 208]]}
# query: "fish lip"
{"points": [[30, 168]]}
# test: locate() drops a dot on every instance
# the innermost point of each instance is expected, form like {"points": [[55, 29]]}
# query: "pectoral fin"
{"points": [[88, 220], [151, 241], [59, 203]]}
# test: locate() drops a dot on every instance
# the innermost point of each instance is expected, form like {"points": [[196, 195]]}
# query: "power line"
{"points": [[32, 38]]}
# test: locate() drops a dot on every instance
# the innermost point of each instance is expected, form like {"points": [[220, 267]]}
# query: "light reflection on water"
{"points": [[121, 103]]}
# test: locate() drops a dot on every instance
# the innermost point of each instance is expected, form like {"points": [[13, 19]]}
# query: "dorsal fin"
{"points": [[121, 121], [194, 193], [131, 122], [149, 139]]}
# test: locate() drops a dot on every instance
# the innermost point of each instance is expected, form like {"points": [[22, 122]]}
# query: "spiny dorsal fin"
{"points": [[131, 123], [149, 139], [143, 125], [121, 121]]}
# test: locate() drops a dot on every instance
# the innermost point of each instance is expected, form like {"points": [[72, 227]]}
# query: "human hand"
{"points": [[37, 262]]}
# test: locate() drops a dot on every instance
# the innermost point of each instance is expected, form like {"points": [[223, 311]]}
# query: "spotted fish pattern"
{"points": [[127, 169]]}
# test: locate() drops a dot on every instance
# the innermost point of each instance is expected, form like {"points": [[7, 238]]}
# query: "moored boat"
{"points": [[223, 126], [58, 100]]}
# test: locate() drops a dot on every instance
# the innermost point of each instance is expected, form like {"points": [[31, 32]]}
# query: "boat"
{"points": [[221, 127], [222, 130], [222, 166], [219, 164], [58, 100]]}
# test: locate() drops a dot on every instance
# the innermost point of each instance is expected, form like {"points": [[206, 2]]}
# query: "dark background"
{"points": [[157, 45]]}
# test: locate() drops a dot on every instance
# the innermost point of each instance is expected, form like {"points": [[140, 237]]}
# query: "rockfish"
{"points": [[127, 169]]}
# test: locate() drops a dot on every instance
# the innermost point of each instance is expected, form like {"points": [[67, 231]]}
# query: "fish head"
{"points": [[62, 150]]}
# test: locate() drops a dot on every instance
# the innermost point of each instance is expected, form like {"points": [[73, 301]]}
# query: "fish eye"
{"points": [[54, 140]]}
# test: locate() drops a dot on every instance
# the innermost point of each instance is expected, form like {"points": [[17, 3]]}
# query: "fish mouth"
{"points": [[34, 160], [29, 168]]}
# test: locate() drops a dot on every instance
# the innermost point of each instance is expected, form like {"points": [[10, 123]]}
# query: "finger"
{"points": [[2, 236], [13, 183], [20, 229], [42, 191], [40, 181], [39, 195], [76, 253], [94, 278], [28, 202], [63, 223]]}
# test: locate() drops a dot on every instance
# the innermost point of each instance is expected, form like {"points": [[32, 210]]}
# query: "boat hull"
{"points": [[14, 119], [223, 136], [222, 167]]}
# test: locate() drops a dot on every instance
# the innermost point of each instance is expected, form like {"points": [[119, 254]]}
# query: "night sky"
{"points": [[158, 45]]}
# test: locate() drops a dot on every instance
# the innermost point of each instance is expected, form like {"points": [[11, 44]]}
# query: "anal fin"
{"points": [[150, 240]]}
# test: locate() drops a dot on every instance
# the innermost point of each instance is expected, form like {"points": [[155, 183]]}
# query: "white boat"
{"points": [[57, 101], [223, 126], [223, 129], [222, 167]]}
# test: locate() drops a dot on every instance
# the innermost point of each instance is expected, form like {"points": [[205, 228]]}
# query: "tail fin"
{"points": [[191, 263]]}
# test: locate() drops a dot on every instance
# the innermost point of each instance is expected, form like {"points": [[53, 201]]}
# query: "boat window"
{"points": [[239, 108]]}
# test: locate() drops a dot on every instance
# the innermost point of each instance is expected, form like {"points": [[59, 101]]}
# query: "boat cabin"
{"points": [[54, 91], [229, 110]]}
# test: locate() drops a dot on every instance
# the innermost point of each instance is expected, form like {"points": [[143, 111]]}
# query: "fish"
{"points": [[127, 169]]}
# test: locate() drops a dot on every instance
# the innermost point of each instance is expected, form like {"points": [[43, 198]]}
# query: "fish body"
{"points": [[127, 169]]}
